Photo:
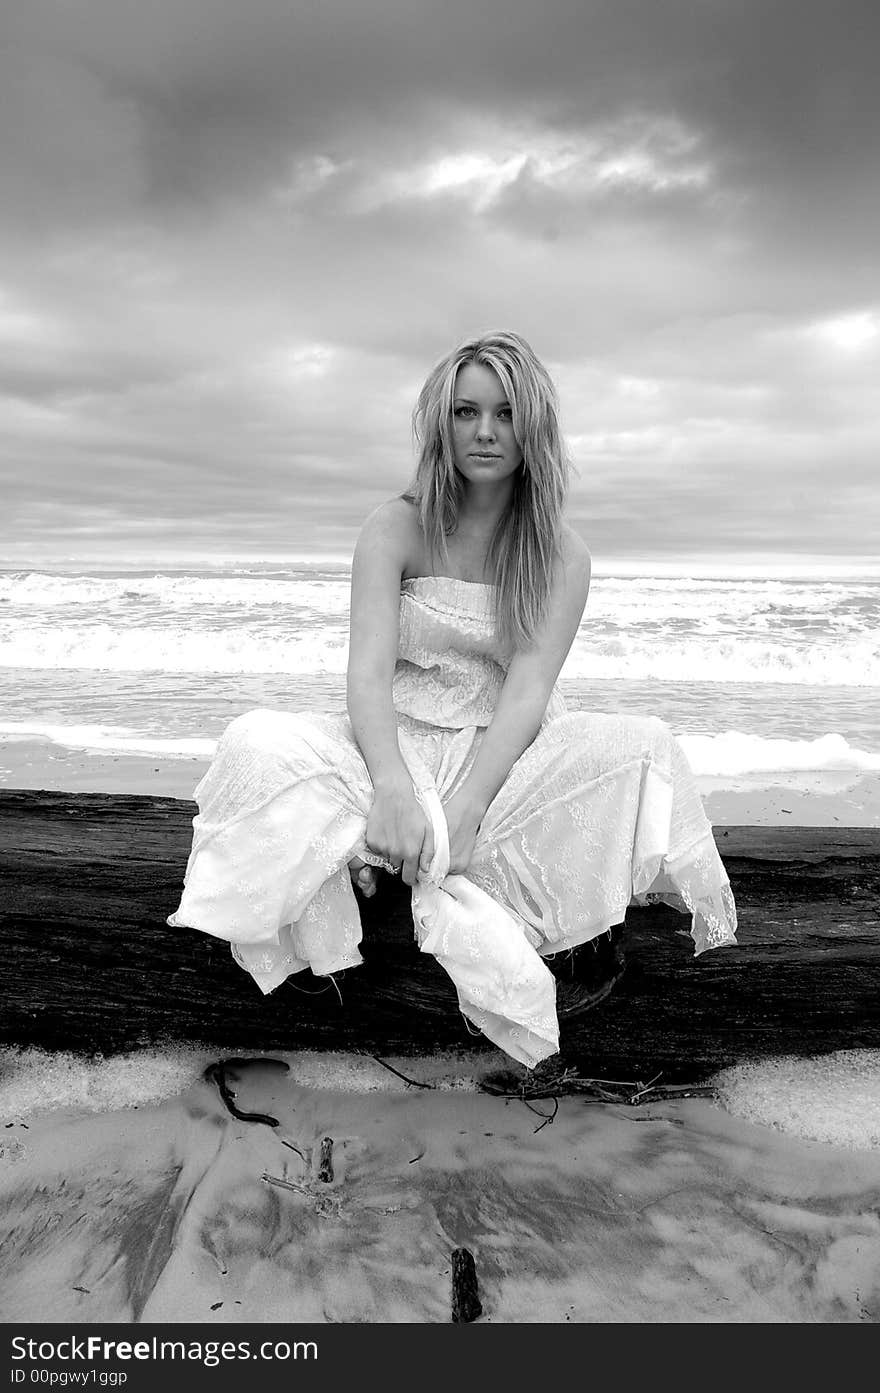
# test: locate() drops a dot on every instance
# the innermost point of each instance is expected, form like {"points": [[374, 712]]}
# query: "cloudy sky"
{"points": [[235, 236]]}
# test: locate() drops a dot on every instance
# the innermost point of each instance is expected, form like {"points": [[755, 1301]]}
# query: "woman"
{"points": [[522, 829]]}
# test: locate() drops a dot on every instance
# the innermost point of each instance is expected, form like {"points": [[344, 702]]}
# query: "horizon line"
{"points": [[748, 565]]}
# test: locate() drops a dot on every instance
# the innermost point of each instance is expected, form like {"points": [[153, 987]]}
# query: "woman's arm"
{"points": [[521, 703], [396, 827]]}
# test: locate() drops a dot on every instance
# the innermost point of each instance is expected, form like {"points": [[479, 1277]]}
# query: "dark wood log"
{"points": [[87, 880]]}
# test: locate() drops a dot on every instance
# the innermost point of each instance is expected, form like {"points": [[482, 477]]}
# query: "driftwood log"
{"points": [[89, 964]]}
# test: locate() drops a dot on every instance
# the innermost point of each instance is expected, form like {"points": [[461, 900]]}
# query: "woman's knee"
{"points": [[578, 723], [645, 734], [259, 731], [650, 732]]}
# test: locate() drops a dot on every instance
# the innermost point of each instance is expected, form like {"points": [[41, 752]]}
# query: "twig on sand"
{"points": [[551, 1082], [284, 1184], [217, 1073], [684, 1090], [547, 1085], [550, 1116], [414, 1083], [325, 1206], [645, 1088]]}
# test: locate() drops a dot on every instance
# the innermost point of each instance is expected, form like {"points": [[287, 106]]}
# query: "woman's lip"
{"points": [[476, 455]]}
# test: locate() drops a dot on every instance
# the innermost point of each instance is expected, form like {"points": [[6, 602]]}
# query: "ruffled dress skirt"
{"points": [[599, 812]]}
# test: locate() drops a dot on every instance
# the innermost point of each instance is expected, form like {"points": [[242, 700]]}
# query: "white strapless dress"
{"points": [[599, 812]]}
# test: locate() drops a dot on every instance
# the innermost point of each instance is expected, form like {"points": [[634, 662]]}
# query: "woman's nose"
{"points": [[486, 428]]}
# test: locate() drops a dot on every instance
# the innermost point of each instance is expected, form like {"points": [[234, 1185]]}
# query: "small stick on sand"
{"points": [[466, 1304], [550, 1116], [413, 1083], [645, 1088], [217, 1073], [325, 1162], [285, 1184]]}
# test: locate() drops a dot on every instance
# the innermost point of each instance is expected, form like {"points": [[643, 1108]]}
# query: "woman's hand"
{"points": [[463, 817], [399, 831]]}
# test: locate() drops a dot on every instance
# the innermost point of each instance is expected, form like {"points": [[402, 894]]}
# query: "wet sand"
{"points": [[673, 1212]]}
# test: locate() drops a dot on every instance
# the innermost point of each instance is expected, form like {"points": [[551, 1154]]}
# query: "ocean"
{"points": [[754, 675]]}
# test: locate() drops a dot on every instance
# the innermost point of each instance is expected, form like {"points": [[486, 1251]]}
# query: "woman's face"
{"points": [[486, 449]]}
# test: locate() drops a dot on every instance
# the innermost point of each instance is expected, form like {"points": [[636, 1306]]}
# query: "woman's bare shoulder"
{"points": [[393, 526], [574, 552]]}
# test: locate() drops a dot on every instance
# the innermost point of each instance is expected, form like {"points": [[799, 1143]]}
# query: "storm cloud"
{"points": [[235, 238]]}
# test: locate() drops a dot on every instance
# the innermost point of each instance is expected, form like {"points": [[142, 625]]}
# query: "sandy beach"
{"points": [[131, 1194], [677, 1212], [826, 798]]}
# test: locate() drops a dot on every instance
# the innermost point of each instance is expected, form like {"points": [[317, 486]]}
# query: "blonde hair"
{"points": [[525, 544]]}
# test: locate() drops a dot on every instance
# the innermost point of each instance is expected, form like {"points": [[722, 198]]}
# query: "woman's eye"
{"points": [[505, 413]]}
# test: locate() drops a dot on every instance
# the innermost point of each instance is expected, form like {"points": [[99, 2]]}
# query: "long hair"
{"points": [[525, 544]]}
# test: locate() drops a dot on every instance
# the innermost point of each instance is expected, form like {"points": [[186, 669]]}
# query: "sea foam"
{"points": [[651, 629], [729, 753], [35, 1081], [154, 648], [734, 753], [108, 740], [831, 1098], [36, 590], [302, 647]]}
